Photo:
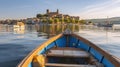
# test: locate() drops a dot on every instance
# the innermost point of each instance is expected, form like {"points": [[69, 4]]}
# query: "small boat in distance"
{"points": [[69, 50]]}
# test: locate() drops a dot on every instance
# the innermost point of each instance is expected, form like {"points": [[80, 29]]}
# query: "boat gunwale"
{"points": [[26, 61], [100, 50]]}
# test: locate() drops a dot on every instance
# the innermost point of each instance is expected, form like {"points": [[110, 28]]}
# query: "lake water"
{"points": [[16, 43]]}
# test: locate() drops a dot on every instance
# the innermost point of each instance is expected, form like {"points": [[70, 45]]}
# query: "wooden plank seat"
{"points": [[68, 52], [67, 65]]}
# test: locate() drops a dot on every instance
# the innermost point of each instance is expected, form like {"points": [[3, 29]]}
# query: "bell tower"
{"points": [[47, 11], [57, 11]]}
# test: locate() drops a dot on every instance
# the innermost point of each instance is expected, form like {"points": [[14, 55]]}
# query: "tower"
{"points": [[47, 11], [57, 11]]}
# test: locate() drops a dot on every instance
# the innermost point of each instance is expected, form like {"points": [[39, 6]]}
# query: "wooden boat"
{"points": [[69, 50]]}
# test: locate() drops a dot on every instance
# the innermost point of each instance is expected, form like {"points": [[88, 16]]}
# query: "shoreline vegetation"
{"points": [[61, 21], [44, 21]]}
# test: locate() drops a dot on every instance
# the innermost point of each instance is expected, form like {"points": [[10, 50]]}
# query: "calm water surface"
{"points": [[16, 43]]}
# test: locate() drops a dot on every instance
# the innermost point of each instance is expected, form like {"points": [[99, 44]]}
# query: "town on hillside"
{"points": [[47, 18], [57, 17]]}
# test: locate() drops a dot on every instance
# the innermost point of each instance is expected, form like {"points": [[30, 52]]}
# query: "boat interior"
{"points": [[66, 57], [69, 50]]}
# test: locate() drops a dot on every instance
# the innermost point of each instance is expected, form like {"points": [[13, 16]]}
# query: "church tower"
{"points": [[57, 11], [47, 11]]}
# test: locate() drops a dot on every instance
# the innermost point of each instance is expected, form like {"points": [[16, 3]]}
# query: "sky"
{"points": [[86, 9]]}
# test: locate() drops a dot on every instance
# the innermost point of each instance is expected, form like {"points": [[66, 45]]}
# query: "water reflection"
{"points": [[47, 30], [19, 28], [6, 28], [51, 30]]}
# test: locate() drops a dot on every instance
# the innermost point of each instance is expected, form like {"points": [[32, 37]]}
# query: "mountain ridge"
{"points": [[103, 20]]}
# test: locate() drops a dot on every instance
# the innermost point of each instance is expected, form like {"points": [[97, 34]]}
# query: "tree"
{"points": [[39, 15], [76, 21], [50, 20], [45, 15], [82, 21], [62, 20], [44, 20], [73, 20], [67, 20], [90, 22], [56, 20]]}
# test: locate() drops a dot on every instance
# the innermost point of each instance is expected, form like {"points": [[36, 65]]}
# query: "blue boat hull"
{"points": [[73, 40]]}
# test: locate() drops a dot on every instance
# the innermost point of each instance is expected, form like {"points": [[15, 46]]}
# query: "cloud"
{"points": [[109, 8]]}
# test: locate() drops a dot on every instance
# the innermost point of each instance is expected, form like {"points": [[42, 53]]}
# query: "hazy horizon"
{"points": [[86, 9]]}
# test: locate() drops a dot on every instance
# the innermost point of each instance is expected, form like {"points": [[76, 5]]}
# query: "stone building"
{"points": [[58, 15], [52, 14]]}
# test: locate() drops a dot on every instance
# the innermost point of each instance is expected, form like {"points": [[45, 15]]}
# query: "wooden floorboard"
{"points": [[67, 65], [66, 48]]}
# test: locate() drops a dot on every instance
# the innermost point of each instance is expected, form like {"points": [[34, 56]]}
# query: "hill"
{"points": [[113, 20]]}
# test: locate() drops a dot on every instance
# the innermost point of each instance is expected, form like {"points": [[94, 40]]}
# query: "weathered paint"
{"points": [[107, 63], [30, 64], [96, 54], [27, 61], [87, 47], [107, 59], [50, 46], [82, 45], [42, 51], [61, 41], [72, 41]]}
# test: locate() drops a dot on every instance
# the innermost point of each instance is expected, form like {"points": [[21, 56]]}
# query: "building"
{"points": [[57, 14], [116, 27], [52, 14]]}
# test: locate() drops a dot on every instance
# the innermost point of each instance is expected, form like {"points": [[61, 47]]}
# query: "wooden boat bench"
{"points": [[67, 52]]}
